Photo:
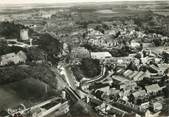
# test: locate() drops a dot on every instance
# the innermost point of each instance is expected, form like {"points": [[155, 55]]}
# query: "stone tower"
{"points": [[24, 34]]}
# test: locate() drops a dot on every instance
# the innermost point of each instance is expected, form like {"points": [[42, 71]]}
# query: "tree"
{"points": [[157, 42], [10, 29], [90, 67], [3, 46], [165, 57], [166, 90], [16, 73], [3, 43], [132, 66], [99, 28], [35, 54], [105, 26], [51, 46]]}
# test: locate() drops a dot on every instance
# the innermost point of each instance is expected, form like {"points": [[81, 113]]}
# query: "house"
{"points": [[111, 109], [92, 32], [127, 73], [149, 114], [119, 79], [145, 60], [106, 90], [153, 68], [146, 45], [102, 108], [157, 106], [20, 57], [136, 75], [114, 91], [103, 42], [6, 59], [163, 68], [119, 60], [160, 69], [134, 44], [128, 85], [141, 75], [100, 55], [154, 88], [145, 105], [139, 93]]}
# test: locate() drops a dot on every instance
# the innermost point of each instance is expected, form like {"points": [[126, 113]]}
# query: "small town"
{"points": [[85, 60]]}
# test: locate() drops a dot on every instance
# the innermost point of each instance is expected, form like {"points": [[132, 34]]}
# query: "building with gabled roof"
{"points": [[127, 73], [128, 85], [139, 93], [136, 75], [160, 68], [133, 74], [154, 88], [20, 57], [120, 78], [100, 55], [145, 105], [163, 68]]}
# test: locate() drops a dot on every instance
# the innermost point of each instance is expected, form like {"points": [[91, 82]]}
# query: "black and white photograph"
{"points": [[84, 58]]}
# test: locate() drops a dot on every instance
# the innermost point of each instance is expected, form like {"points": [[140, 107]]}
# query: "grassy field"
{"points": [[28, 92]]}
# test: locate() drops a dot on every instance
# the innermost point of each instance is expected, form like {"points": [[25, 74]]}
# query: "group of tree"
{"points": [[10, 29], [153, 23], [35, 54], [15, 73], [165, 57], [51, 47], [102, 27], [5, 49], [88, 68]]}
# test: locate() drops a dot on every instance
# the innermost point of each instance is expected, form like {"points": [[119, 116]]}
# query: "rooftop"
{"points": [[152, 88], [120, 78], [139, 93], [101, 54]]}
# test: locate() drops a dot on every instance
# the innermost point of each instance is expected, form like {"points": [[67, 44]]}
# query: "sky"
{"points": [[57, 1]]}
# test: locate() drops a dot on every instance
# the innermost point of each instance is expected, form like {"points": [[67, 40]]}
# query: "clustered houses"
{"points": [[134, 83], [135, 75], [117, 34], [101, 40]]}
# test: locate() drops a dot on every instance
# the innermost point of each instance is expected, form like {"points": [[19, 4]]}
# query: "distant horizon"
{"points": [[20, 2]]}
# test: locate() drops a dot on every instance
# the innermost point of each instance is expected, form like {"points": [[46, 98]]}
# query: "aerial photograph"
{"points": [[84, 58]]}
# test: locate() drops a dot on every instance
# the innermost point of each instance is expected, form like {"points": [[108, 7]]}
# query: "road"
{"points": [[97, 78], [69, 77], [68, 84]]}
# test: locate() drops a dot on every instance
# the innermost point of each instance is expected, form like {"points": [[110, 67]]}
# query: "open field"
{"points": [[25, 92]]}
